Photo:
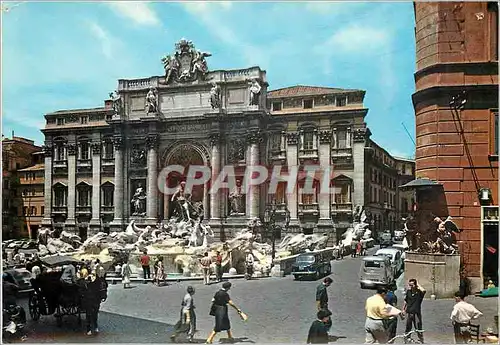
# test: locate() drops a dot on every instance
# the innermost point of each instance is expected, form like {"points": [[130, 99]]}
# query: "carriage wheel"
{"points": [[33, 307]]}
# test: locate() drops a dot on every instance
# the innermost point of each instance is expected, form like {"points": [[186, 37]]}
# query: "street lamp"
{"points": [[269, 221]]}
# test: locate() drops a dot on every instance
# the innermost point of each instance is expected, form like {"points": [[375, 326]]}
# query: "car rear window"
{"points": [[372, 264]]}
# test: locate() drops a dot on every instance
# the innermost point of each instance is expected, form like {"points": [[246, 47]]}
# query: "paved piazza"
{"points": [[280, 310]]}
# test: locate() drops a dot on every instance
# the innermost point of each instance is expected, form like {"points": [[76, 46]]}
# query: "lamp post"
{"points": [[269, 221]]}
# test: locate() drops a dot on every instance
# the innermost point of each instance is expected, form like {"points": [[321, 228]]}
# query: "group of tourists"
{"points": [[219, 310]]}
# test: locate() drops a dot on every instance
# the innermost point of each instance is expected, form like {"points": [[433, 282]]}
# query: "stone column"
{"points": [[152, 182], [214, 197], [206, 201], [291, 157], [359, 166], [253, 159], [117, 222], [95, 222], [47, 216], [325, 223], [70, 224]]}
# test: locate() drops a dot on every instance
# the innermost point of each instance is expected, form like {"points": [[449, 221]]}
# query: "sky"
{"points": [[70, 55]]}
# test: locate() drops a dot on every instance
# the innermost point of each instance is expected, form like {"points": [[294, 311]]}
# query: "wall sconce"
{"points": [[485, 196]]}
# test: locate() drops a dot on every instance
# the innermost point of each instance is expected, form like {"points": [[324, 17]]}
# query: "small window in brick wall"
{"points": [[308, 104], [277, 106]]}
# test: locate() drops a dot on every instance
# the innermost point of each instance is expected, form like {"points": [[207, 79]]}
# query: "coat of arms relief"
{"points": [[187, 64]]}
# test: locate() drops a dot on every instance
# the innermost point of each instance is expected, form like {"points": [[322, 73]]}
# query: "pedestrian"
{"points": [[376, 313], [118, 270], [353, 249], [363, 248], [461, 316], [322, 298], [219, 309], [205, 266], [391, 324], [249, 261], [94, 293], [126, 273], [341, 250], [187, 321], [145, 266], [318, 332], [160, 272], [412, 307], [218, 267], [358, 248]]}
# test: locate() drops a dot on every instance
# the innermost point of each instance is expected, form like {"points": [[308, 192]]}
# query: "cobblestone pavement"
{"points": [[280, 310]]}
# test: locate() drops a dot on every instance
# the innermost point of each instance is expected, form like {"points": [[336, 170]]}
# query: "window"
{"points": [[107, 150], [25, 210], [42, 210], [308, 138], [342, 194], [84, 150], [341, 139], [341, 101], [308, 104], [60, 151], [276, 142], [107, 195], [83, 192], [33, 211], [494, 133], [60, 196], [84, 120], [60, 121], [277, 106], [309, 199], [493, 17]]}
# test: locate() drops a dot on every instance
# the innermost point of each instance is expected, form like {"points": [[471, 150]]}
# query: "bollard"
{"points": [[433, 297]]}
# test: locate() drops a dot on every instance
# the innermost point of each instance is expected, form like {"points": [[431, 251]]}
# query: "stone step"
{"points": [[135, 278]]}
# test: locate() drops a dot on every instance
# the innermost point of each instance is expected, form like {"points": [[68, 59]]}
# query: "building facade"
{"points": [[103, 166], [17, 153], [456, 109], [31, 190]]}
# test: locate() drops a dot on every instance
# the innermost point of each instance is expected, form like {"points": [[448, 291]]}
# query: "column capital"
{"points": [[118, 142], [71, 149], [96, 148], [325, 137], [47, 150], [292, 138], [215, 139], [254, 136], [152, 141], [360, 135]]}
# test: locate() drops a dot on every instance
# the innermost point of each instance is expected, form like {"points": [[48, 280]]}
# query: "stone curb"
{"points": [[116, 280]]}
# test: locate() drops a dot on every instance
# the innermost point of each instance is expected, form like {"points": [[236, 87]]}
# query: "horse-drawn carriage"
{"points": [[51, 296]]}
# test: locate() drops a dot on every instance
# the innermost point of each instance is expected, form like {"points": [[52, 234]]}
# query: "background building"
{"points": [[100, 160], [17, 153], [30, 188], [457, 133]]}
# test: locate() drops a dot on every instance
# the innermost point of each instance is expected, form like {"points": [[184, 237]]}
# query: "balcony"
{"points": [[338, 208], [84, 163], [108, 161], [60, 210], [308, 209], [107, 209], [341, 155], [308, 154], [61, 164], [277, 155], [84, 210]]}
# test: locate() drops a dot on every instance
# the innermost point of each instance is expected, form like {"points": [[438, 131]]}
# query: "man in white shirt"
{"points": [[187, 322], [461, 317], [249, 260]]}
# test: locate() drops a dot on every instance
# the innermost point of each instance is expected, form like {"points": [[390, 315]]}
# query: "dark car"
{"points": [[313, 265], [22, 277]]}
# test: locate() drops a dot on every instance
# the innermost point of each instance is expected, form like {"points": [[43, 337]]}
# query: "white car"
{"points": [[395, 256]]}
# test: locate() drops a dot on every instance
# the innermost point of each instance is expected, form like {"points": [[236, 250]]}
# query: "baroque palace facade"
{"points": [[102, 164]]}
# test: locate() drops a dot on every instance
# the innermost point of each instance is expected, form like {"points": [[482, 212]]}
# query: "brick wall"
{"points": [[454, 54]]}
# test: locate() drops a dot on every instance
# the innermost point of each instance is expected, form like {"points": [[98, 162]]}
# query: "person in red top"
{"points": [[145, 266], [218, 267]]}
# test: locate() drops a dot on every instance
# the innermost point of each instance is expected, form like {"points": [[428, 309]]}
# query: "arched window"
{"points": [[60, 152], [60, 195], [84, 194], [107, 194], [341, 135], [107, 148], [343, 189], [84, 148]]}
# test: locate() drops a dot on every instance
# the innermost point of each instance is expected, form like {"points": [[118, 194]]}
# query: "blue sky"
{"points": [[70, 55]]}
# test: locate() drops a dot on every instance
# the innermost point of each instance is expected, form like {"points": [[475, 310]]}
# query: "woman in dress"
{"points": [[220, 310], [160, 272], [126, 273]]}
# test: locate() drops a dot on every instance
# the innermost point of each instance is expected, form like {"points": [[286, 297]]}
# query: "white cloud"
{"points": [[332, 7], [103, 37], [359, 39], [140, 12]]}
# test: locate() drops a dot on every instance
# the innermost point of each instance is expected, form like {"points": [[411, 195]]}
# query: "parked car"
{"points": [[22, 277], [376, 271], [395, 256], [385, 239], [313, 265]]}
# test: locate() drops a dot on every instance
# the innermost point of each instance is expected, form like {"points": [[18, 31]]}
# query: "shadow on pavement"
{"points": [[334, 338], [113, 328]]}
